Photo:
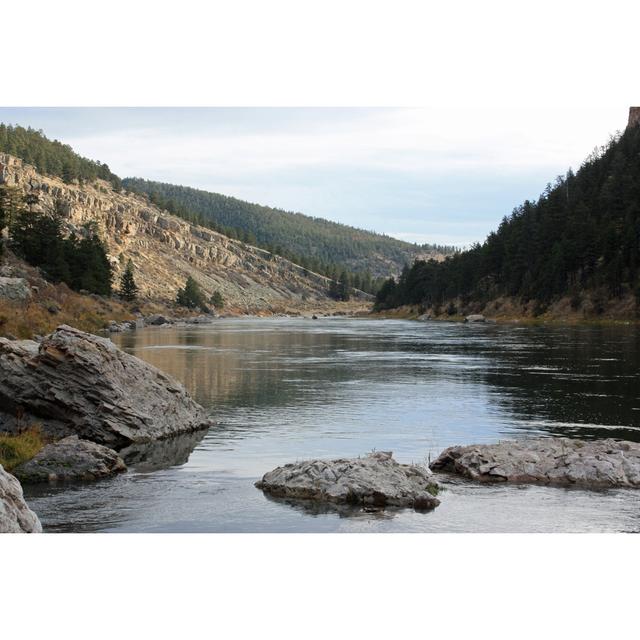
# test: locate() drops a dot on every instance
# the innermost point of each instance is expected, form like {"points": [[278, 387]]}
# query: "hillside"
{"points": [[577, 247], [165, 249], [315, 243]]}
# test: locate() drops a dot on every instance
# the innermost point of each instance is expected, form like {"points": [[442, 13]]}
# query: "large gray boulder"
{"points": [[14, 289], [70, 459], [376, 480], [73, 382], [553, 461], [15, 515]]}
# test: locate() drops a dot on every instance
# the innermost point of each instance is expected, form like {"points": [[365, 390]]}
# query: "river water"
{"points": [[289, 389]]}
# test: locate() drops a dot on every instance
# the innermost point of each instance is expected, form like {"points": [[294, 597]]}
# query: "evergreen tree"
{"points": [[128, 287], [83, 264], [344, 287], [217, 300], [11, 204], [191, 295], [583, 232]]}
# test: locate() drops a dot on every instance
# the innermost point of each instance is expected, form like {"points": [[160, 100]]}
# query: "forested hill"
{"points": [[315, 243], [51, 157], [581, 237]]}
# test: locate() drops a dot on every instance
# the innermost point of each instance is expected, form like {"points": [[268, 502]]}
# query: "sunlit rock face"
{"points": [[166, 249]]}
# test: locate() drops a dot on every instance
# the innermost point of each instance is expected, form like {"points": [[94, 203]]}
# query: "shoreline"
{"points": [[408, 313]]}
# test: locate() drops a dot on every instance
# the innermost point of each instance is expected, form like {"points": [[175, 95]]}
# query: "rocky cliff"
{"points": [[165, 249]]}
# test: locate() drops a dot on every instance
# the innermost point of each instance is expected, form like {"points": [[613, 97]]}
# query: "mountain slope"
{"points": [[313, 242], [582, 236], [166, 249]]}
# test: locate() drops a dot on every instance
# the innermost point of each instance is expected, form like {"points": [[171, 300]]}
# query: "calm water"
{"points": [[289, 389]]}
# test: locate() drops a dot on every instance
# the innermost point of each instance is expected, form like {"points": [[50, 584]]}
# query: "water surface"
{"points": [[289, 389]]}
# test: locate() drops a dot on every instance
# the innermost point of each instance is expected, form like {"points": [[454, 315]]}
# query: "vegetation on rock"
{"points": [[52, 157], [18, 448], [80, 262]]}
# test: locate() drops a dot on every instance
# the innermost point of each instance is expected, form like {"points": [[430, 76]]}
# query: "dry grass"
{"points": [[18, 448], [45, 312], [54, 304]]}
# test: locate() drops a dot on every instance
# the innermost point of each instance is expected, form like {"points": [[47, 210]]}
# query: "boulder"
{"points": [[157, 319], [70, 459], [74, 382], [14, 289], [555, 461], [119, 327], [374, 480], [475, 317], [15, 515]]}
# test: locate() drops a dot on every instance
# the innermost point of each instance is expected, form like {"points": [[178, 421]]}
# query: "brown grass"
{"points": [[54, 304], [18, 448]]}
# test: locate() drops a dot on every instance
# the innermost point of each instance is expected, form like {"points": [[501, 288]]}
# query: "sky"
{"points": [[425, 175]]}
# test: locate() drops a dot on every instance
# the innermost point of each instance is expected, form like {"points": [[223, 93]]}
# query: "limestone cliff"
{"points": [[166, 249]]}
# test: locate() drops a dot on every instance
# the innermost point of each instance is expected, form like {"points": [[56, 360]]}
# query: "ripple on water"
{"points": [[291, 389]]}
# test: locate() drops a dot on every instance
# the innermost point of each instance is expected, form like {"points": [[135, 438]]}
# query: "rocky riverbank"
{"points": [[87, 398], [76, 383]]}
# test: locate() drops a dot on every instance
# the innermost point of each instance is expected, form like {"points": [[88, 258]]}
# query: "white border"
{"points": [[319, 53]]}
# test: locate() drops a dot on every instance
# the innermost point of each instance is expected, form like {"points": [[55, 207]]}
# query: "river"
{"points": [[286, 389]]}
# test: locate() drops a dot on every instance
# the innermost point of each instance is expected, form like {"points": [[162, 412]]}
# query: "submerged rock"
{"points": [[374, 480], [74, 382], [71, 459], [15, 515], [556, 461]]}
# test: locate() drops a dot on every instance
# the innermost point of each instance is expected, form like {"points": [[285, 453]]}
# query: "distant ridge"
{"points": [[316, 243]]}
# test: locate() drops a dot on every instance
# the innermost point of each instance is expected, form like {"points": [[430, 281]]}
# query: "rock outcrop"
{"points": [[15, 515], [70, 459], [375, 480], [166, 249], [14, 289], [73, 382], [554, 461], [475, 317]]}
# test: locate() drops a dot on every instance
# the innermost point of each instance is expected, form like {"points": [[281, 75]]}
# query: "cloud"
{"points": [[445, 174]]}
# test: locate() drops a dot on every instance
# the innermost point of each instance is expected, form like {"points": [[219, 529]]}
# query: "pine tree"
{"points": [[217, 300], [191, 295], [11, 204], [344, 287], [128, 287]]}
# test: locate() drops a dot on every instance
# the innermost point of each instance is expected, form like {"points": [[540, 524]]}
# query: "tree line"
{"points": [[51, 157], [582, 233], [79, 260], [335, 272], [317, 244]]}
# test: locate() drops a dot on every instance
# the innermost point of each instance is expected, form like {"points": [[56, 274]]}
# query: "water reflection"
{"points": [[161, 454], [284, 390]]}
